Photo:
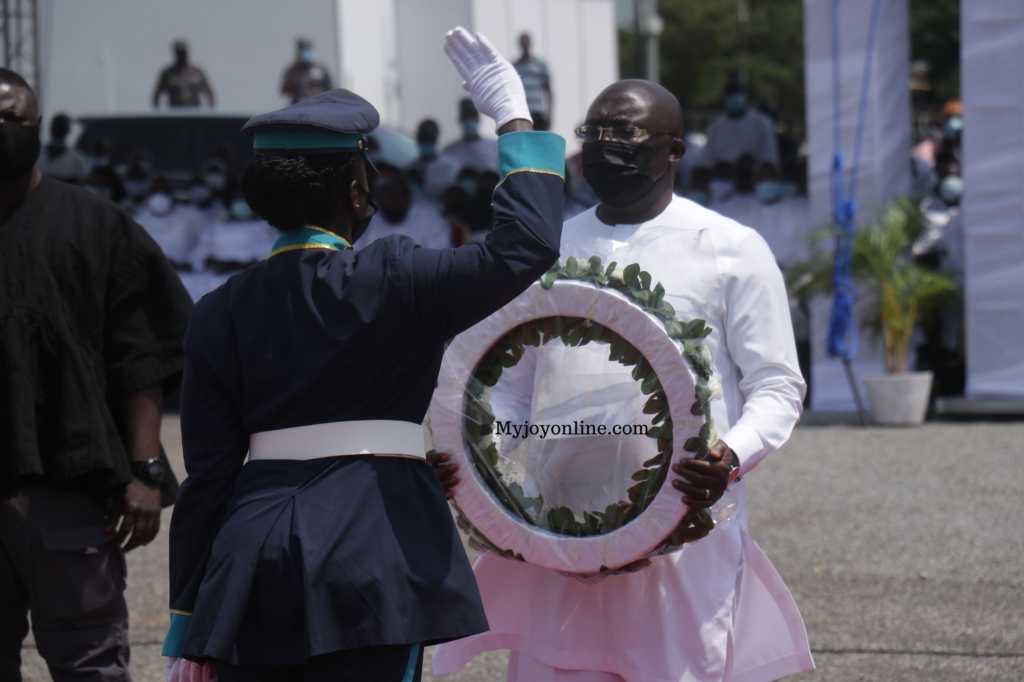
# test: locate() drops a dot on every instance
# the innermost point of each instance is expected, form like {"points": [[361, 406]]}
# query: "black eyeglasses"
{"points": [[616, 133]]}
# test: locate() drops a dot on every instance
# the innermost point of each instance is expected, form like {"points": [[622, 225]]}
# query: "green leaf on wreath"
{"points": [[630, 274], [595, 265], [645, 280], [571, 267], [654, 404], [674, 329], [490, 454], [610, 269], [692, 444], [547, 280]]}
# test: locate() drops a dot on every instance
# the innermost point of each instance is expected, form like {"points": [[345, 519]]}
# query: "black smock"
{"points": [[90, 312], [274, 562]]}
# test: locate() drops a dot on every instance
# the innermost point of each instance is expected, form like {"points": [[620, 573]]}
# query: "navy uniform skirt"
{"points": [[324, 555]]}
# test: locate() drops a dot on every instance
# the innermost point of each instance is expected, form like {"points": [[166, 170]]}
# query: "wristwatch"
{"points": [[734, 467], [151, 472]]}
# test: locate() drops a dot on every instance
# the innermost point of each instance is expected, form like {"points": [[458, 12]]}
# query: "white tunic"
{"points": [[717, 610]]}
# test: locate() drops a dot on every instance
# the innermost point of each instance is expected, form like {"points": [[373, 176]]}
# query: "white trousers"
{"points": [[523, 668]]}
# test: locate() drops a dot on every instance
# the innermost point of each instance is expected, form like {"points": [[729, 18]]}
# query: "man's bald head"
{"points": [[638, 103], [633, 172], [17, 99]]}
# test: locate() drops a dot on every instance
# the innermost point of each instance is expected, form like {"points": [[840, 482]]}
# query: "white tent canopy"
{"points": [[993, 96]]}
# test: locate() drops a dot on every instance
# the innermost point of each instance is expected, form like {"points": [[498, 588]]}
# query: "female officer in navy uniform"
{"points": [[331, 554]]}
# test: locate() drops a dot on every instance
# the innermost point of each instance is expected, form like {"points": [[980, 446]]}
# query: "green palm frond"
{"points": [[899, 290]]}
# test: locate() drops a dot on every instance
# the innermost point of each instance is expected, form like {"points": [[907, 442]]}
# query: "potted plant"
{"points": [[899, 292]]}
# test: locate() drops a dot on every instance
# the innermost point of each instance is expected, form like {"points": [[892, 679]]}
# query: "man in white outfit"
{"points": [[738, 131], [717, 611]]}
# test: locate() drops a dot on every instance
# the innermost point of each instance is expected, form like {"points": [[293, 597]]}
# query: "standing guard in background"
{"points": [[184, 83], [537, 82], [331, 555], [305, 78]]}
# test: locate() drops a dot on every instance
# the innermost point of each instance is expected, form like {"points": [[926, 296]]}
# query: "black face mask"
{"points": [[619, 173], [359, 225], [19, 149]]}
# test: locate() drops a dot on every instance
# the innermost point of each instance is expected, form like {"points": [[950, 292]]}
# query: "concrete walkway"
{"points": [[904, 550]]}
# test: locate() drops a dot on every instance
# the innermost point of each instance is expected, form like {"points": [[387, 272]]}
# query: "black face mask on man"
{"points": [[618, 172], [19, 149]]}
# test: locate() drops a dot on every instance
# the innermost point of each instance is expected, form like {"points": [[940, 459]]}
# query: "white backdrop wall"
{"points": [[577, 39], [368, 54], [993, 95], [431, 87], [103, 56], [885, 156]]}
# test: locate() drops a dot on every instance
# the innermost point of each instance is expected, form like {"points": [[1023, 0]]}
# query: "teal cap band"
{"points": [[307, 140]]}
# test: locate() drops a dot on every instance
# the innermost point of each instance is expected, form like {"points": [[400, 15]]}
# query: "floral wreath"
{"points": [[480, 362]]}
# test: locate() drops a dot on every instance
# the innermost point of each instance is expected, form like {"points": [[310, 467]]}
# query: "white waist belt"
{"points": [[381, 437]]}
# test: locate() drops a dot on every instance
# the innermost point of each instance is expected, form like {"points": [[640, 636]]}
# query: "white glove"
{"points": [[491, 81]]}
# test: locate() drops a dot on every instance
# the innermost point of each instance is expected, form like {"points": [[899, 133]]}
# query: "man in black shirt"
{"points": [[184, 83], [305, 78], [91, 324]]}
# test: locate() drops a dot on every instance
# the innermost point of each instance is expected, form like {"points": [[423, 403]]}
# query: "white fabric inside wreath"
{"points": [[565, 386]]}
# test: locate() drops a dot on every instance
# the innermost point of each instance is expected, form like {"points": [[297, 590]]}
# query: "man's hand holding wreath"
{"points": [[703, 484]]}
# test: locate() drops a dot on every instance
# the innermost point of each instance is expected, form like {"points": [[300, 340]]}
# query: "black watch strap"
{"points": [[734, 467], [151, 472]]}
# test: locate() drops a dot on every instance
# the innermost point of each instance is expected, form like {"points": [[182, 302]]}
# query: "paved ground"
{"points": [[904, 550]]}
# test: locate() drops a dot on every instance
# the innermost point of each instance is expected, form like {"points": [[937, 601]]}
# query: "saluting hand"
{"points": [[445, 472], [492, 82]]}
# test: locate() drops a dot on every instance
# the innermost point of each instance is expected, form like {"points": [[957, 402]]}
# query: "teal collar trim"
{"points": [[308, 237], [307, 140]]}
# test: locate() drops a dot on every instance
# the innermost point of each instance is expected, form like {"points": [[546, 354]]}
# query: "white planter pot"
{"points": [[899, 399]]}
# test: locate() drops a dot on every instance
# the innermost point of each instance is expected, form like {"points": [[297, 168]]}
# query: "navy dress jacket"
{"points": [[273, 561]]}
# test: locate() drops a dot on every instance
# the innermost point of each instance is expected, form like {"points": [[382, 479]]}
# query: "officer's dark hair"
{"points": [[291, 191], [8, 77]]}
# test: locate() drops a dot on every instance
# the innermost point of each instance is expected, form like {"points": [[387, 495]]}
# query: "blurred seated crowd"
{"points": [[744, 166]]}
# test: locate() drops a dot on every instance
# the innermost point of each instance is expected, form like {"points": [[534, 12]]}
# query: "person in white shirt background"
{"points": [[472, 151], [689, 615], [431, 174], [939, 339], [169, 224], [60, 161], [401, 213], [740, 130]]}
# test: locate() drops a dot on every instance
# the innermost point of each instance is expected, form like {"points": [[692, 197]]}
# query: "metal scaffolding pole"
{"points": [[650, 26], [19, 30]]}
